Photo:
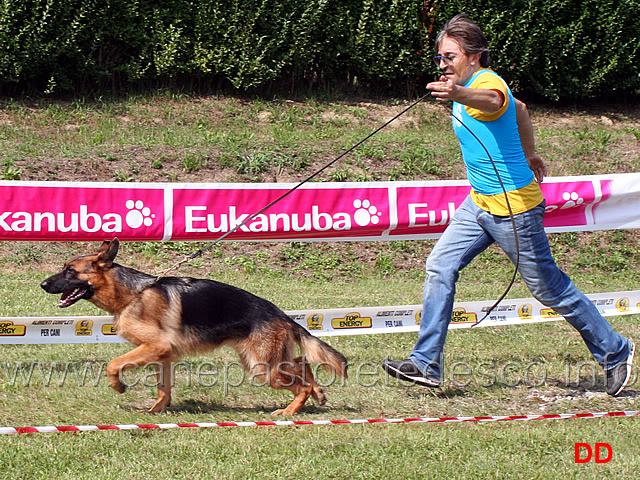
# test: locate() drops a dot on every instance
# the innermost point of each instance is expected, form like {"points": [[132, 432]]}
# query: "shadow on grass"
{"points": [[204, 408], [558, 387]]}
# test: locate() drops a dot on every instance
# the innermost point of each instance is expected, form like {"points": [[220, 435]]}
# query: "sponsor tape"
{"points": [[326, 322], [287, 423]]}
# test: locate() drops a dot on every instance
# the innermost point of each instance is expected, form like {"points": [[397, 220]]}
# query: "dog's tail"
{"points": [[320, 353]]}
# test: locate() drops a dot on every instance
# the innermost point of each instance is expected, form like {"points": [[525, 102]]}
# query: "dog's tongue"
{"points": [[70, 297]]}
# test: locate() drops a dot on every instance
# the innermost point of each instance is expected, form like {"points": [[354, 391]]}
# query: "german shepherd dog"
{"points": [[170, 317]]}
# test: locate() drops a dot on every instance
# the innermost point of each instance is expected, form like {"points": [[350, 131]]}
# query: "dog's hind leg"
{"points": [[267, 355], [303, 370], [287, 377]]}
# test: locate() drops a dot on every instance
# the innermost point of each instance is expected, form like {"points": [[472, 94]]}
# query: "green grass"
{"points": [[529, 369], [400, 451], [537, 449], [346, 452]]}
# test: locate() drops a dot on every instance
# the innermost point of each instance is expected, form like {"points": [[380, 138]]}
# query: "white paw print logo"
{"points": [[138, 214], [365, 213], [571, 200]]}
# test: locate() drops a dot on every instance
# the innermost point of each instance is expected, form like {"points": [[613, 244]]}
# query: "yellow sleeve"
{"points": [[490, 82]]}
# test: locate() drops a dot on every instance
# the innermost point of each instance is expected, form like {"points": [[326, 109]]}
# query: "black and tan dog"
{"points": [[173, 316]]}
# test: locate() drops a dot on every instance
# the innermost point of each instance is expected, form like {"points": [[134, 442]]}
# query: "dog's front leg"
{"points": [[114, 372], [140, 356], [165, 382]]}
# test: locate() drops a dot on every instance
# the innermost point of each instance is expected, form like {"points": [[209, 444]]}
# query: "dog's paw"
{"points": [[286, 412], [154, 410], [318, 396], [160, 406], [118, 386]]}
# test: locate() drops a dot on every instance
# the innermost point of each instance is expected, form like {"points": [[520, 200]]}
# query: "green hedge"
{"points": [[562, 49], [553, 49]]}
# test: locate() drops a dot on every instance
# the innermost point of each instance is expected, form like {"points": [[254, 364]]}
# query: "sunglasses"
{"points": [[439, 58]]}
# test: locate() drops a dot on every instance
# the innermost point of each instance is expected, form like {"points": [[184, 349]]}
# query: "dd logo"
{"points": [[584, 453]]}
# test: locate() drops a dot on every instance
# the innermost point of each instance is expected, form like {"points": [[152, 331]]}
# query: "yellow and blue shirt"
{"points": [[499, 134]]}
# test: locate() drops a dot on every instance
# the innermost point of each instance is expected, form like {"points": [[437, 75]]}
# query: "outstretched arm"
{"points": [[484, 99]]}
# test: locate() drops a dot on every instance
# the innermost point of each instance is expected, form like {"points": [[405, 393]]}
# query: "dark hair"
{"points": [[468, 35]]}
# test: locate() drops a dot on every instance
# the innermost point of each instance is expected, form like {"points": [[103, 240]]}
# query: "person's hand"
{"points": [[537, 166], [444, 90]]}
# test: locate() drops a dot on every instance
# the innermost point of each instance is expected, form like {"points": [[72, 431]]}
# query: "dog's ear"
{"points": [[107, 252]]}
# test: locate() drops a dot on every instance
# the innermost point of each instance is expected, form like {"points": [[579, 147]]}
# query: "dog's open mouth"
{"points": [[69, 297]]}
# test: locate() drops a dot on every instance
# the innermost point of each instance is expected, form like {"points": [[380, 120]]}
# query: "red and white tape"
{"points": [[286, 423]]}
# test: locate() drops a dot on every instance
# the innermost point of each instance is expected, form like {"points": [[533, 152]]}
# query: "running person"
{"points": [[484, 103]]}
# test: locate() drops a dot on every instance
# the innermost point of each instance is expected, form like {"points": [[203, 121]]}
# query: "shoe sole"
{"points": [[629, 363], [407, 378]]}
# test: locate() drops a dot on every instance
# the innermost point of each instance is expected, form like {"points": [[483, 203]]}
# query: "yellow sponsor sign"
{"points": [[622, 305], [314, 321], [83, 328], [549, 313], [525, 310], [8, 329], [460, 315], [109, 329], [352, 320]]}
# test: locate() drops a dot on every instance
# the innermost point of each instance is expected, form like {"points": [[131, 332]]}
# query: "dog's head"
{"points": [[81, 276]]}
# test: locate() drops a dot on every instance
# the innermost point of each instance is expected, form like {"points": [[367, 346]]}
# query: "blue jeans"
{"points": [[472, 230]]}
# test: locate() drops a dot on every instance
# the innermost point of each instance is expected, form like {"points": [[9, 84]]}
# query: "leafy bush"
{"points": [[558, 49], [561, 49]]}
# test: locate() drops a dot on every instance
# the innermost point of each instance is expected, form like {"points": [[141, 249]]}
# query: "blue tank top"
{"points": [[500, 137]]}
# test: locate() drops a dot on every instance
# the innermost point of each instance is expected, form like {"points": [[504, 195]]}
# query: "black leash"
{"points": [[513, 221], [210, 245]]}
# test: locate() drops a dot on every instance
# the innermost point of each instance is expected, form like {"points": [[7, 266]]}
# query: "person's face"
{"points": [[456, 65]]}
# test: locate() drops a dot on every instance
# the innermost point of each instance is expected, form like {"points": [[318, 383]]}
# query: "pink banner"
{"points": [[573, 203], [316, 211], [311, 213], [427, 210], [42, 211]]}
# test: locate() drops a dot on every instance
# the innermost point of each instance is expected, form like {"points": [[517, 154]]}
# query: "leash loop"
{"points": [[513, 221]]}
